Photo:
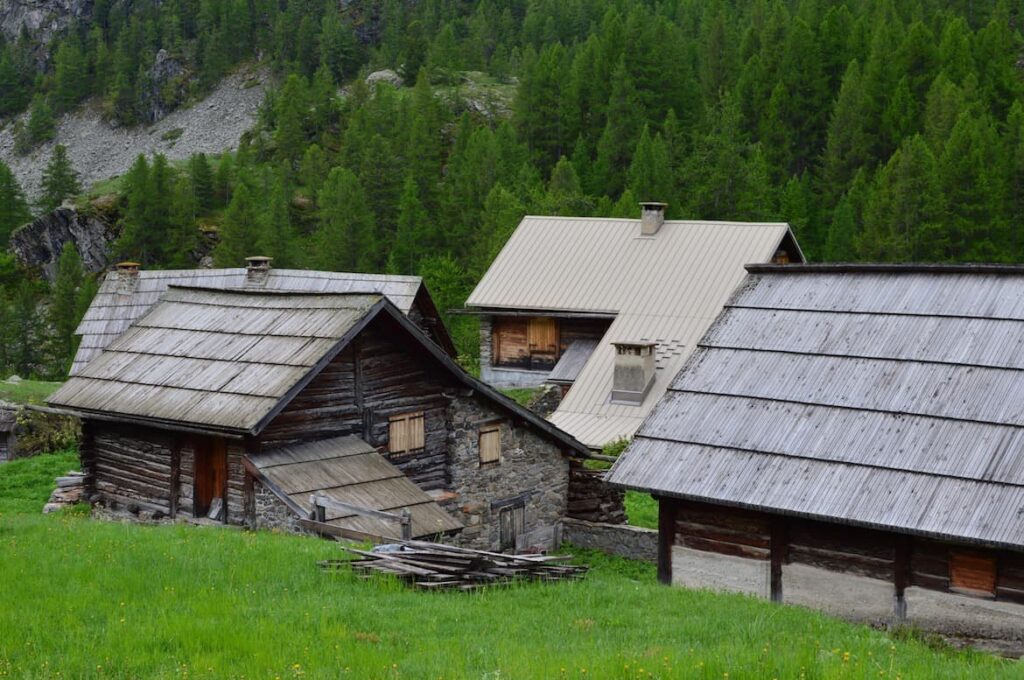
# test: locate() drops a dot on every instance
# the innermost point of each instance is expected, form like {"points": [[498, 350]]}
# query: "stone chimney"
{"points": [[257, 269], [127, 277], [634, 371], [652, 216]]}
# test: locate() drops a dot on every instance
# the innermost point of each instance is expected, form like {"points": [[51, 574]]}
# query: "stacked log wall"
{"points": [[591, 500], [131, 465], [357, 393]]}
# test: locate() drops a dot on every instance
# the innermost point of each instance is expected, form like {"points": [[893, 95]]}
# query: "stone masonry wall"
{"points": [[486, 328], [531, 467], [271, 512], [636, 543]]}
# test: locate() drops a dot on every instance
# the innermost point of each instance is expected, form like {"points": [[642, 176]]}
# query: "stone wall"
{"points": [[591, 499], [636, 543], [271, 512], [531, 469]]}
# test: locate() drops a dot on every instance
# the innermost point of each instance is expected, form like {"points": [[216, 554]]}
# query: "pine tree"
{"points": [[343, 240], [275, 236], [64, 306], [842, 232], [415, 235], [201, 176], [238, 229], [70, 79], [615, 148], [650, 174], [26, 331], [14, 210], [564, 196], [60, 181], [41, 126], [503, 211], [183, 239]]}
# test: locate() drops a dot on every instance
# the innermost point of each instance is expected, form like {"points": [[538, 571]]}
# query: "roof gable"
{"points": [[878, 396], [666, 289], [232, 360]]}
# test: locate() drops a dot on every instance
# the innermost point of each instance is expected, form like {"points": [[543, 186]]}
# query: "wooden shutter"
{"points": [[510, 344], [972, 571], [542, 335], [405, 432], [490, 444]]}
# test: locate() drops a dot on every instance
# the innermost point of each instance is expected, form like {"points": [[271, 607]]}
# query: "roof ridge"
{"points": [[884, 268]]}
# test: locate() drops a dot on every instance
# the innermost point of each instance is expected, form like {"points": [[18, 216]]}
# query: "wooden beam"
{"points": [[901, 575], [779, 547], [175, 474], [319, 500], [325, 529], [667, 512]]}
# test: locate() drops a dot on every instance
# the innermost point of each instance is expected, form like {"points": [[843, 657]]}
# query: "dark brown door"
{"points": [[211, 474]]}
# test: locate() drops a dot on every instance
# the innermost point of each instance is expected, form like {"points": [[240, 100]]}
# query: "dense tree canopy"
{"points": [[881, 130]]}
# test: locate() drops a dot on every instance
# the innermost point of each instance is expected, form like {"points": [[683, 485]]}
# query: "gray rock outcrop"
{"points": [[165, 87], [42, 19], [384, 76], [38, 244]]}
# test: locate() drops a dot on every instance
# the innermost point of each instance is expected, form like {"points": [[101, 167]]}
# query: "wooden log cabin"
{"points": [[851, 438], [609, 309], [236, 406]]}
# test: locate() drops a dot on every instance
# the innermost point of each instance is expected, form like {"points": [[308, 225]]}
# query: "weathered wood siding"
{"points": [[131, 465], [373, 379], [844, 549], [728, 531]]}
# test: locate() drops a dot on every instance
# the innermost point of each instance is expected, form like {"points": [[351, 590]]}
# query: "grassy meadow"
{"points": [[27, 391], [83, 598]]}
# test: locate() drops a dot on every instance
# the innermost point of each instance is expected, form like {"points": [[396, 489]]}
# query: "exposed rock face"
{"points": [[385, 76], [99, 150], [41, 18], [165, 88], [39, 243]]}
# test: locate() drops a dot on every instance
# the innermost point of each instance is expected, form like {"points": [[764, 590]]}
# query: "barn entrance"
{"points": [[211, 477]]}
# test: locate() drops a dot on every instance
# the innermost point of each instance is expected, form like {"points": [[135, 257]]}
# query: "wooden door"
{"points": [[211, 473], [511, 525]]}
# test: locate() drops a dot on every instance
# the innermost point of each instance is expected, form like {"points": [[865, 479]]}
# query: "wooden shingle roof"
{"points": [[230, 360], [115, 307], [216, 359], [886, 397], [348, 470]]}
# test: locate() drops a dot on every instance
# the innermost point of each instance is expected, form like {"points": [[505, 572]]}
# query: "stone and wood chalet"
{"points": [[236, 406], [609, 309], [851, 438], [127, 293]]}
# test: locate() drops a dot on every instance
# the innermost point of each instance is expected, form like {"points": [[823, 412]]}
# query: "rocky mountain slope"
{"points": [[99, 150], [40, 18]]}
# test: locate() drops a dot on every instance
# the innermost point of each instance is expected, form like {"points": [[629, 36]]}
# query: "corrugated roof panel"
{"points": [[668, 287]]}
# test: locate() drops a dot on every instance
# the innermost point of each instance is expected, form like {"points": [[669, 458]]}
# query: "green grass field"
{"points": [[27, 391], [82, 598]]}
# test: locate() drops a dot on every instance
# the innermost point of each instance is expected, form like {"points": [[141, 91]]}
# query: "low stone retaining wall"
{"points": [[635, 543]]}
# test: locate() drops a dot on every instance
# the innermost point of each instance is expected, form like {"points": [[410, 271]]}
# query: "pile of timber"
{"points": [[433, 566], [69, 491]]}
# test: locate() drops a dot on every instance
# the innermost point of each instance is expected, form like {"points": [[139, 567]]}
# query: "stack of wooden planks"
{"points": [[433, 566]]}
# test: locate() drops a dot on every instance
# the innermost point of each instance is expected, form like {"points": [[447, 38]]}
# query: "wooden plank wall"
{"points": [[131, 464], [570, 330], [903, 560], [370, 381], [727, 531]]}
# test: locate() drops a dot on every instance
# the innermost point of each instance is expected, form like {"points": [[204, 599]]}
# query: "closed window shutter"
{"points": [[490, 444], [972, 571], [542, 335], [405, 432]]}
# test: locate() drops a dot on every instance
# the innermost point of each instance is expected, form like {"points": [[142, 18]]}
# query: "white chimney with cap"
{"points": [[652, 217], [257, 270], [634, 371]]}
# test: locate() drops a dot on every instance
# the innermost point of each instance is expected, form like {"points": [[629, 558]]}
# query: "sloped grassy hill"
{"points": [[81, 598]]}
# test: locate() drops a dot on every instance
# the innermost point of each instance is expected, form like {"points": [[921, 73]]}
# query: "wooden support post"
{"points": [[406, 524], [667, 512], [319, 513], [779, 551], [901, 577], [175, 475], [249, 500]]}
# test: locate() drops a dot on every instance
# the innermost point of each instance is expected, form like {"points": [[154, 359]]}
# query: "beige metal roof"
{"points": [[665, 288], [348, 470], [213, 358], [111, 311], [886, 397]]}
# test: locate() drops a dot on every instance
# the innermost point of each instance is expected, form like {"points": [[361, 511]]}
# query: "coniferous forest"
{"points": [[881, 130]]}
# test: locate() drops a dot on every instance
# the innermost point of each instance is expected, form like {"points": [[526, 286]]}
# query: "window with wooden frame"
{"points": [[490, 443], [972, 572], [406, 433]]}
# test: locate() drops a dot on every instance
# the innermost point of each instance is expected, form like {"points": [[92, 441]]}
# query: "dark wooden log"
{"points": [[667, 514], [779, 554]]}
